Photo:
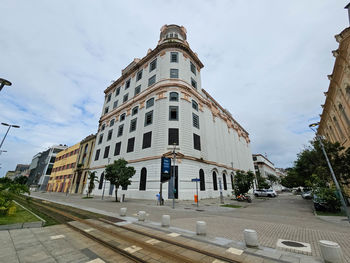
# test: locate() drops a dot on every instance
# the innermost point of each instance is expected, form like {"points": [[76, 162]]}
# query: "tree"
{"points": [[243, 181], [262, 183], [92, 179], [21, 179], [119, 174]]}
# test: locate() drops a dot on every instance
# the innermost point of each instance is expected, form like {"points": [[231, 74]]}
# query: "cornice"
{"points": [[150, 55]]}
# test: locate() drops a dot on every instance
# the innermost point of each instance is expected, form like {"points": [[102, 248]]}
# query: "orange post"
{"points": [[196, 198]]}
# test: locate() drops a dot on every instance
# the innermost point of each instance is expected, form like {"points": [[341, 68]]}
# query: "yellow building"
{"points": [[335, 118], [63, 169], [83, 164]]}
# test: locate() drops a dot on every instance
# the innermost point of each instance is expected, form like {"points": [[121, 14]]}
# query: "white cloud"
{"points": [[265, 61]]}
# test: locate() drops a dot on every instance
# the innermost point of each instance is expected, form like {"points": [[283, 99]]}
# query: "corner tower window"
{"points": [[174, 96], [174, 57]]}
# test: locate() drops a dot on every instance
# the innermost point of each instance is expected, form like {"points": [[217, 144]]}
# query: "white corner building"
{"points": [[158, 102]]}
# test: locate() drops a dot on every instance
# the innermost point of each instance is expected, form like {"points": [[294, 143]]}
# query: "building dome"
{"points": [[171, 33]]}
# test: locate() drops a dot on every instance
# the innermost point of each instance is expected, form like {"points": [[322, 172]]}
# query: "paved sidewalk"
{"points": [[285, 217]]}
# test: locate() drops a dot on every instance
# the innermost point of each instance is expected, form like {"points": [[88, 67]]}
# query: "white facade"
{"points": [[222, 145]]}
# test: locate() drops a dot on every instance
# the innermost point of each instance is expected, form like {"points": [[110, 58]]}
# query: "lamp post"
{"points": [[9, 127], [104, 185], [4, 82], [342, 200], [174, 171]]}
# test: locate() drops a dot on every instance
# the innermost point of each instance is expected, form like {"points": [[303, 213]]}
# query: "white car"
{"points": [[265, 192]]}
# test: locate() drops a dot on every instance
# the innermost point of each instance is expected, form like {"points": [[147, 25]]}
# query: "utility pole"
{"points": [[174, 171], [104, 183]]}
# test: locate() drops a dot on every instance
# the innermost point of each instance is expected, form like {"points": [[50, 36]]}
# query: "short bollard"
{"points": [[250, 238], [331, 251], [201, 228], [142, 215], [165, 220], [123, 211]]}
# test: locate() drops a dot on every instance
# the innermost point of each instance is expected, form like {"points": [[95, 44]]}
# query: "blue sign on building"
{"points": [[165, 169]]}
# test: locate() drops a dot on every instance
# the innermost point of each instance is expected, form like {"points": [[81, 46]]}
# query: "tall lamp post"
{"points": [[174, 171], [9, 127], [342, 200], [4, 82]]}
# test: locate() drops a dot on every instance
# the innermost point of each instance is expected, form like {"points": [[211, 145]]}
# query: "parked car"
{"points": [[307, 195], [265, 192], [319, 204]]}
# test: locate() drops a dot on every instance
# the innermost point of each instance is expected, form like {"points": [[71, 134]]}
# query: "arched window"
{"points": [[343, 113], [194, 105], [143, 178], [174, 96], [215, 181], [225, 182], [232, 181], [100, 184], [202, 180], [338, 128], [149, 103], [347, 90]]}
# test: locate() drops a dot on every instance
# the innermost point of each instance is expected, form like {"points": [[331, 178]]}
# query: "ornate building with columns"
{"points": [[335, 117], [157, 104]]}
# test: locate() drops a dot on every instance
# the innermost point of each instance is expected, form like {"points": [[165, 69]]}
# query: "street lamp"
{"points": [[4, 82], [318, 137], [104, 185], [9, 127], [174, 171]]}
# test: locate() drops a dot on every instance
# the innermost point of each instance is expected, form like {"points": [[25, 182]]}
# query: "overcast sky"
{"points": [[265, 61]]}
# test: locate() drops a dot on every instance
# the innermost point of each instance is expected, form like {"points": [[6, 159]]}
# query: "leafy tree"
{"points": [[8, 189], [243, 181], [262, 183], [21, 180], [92, 179], [119, 174]]}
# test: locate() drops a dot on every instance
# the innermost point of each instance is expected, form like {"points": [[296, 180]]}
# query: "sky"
{"points": [[266, 61]]}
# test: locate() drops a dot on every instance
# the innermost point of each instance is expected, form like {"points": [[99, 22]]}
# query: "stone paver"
{"points": [[285, 217]]}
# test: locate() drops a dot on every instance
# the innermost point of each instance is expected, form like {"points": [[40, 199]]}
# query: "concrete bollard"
{"points": [[331, 251], [123, 211], [201, 228], [165, 220], [142, 215], [250, 238]]}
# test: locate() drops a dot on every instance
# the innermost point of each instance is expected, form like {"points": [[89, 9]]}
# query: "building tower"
{"points": [[158, 102]]}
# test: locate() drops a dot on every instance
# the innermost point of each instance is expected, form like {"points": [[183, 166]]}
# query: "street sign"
{"points": [[195, 180], [165, 169]]}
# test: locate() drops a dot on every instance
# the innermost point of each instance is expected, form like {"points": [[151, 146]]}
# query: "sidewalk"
{"points": [[224, 225]]}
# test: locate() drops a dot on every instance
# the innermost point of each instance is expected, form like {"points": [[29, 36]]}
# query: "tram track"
{"points": [[172, 250]]}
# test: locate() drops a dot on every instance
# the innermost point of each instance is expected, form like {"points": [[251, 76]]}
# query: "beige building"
{"points": [[335, 117], [83, 164]]}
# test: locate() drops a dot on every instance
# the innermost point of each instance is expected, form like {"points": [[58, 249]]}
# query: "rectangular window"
{"points": [[117, 91], [106, 110], [133, 125], [173, 113], [174, 73], [152, 80], [196, 142], [127, 84], [115, 104], [131, 143], [109, 97], [139, 75], [126, 96], [193, 83], [193, 68], [135, 110], [147, 139], [153, 65], [100, 139], [174, 57], [137, 90], [117, 148], [195, 120], [122, 117], [149, 118], [149, 103], [105, 155], [173, 136], [120, 130], [109, 136], [97, 155]]}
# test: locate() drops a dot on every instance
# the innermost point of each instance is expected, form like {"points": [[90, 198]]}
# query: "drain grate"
{"points": [[292, 244]]}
